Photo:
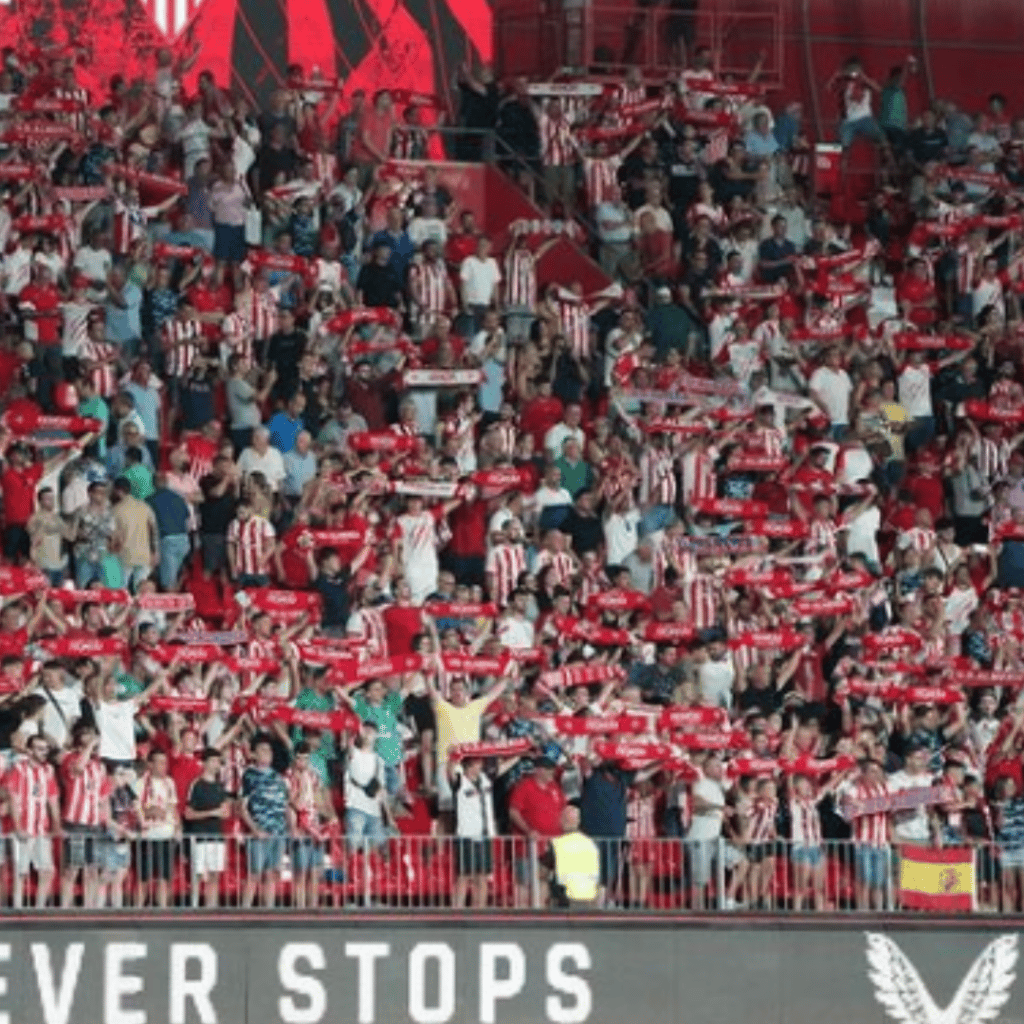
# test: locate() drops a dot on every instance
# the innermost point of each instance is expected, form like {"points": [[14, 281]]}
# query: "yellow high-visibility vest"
{"points": [[577, 866]]}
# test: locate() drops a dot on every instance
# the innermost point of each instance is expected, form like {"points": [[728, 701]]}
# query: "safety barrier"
{"points": [[502, 873]]}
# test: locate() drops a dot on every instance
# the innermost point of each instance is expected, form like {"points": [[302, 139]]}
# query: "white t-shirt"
{"points": [[834, 388], [480, 280], [363, 765], [716, 680], [68, 698], [516, 633], [862, 535], [95, 264], [474, 807], [557, 436], [270, 464], [620, 535], [915, 392], [115, 721], [707, 824], [910, 826], [17, 270], [857, 97]]}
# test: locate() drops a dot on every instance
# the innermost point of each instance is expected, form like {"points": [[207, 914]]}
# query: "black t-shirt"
{"points": [[765, 701], [587, 532], [205, 796], [333, 591], [284, 353], [217, 513], [928, 145], [379, 285]]}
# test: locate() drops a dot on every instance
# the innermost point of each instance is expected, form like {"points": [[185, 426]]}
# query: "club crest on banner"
{"points": [[172, 17], [978, 1000]]}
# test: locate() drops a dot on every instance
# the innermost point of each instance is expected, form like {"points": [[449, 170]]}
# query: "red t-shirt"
{"points": [[184, 769], [539, 416], [19, 488], [468, 524], [540, 806], [928, 493], [45, 301], [401, 625]]}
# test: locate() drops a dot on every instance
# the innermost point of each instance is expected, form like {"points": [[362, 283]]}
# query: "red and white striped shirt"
{"points": [[556, 141], [968, 265], [917, 538], [83, 791], [237, 329], [870, 829], [254, 540], [562, 563], [262, 312], [428, 286], [701, 592], [520, 279], [181, 346], [768, 441], [699, 480], [372, 632], [805, 821], [601, 179], [129, 226], [574, 318], [822, 539], [103, 372], [506, 435], [762, 820], [505, 564], [657, 478], [32, 786]]}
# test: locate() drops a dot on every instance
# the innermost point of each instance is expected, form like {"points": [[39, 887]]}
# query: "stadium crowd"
{"points": [[329, 518]]}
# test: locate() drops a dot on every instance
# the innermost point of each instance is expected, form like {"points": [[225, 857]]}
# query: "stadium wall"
{"points": [[379, 970], [372, 44]]}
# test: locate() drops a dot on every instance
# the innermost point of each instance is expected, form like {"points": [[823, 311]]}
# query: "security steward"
{"points": [[576, 866]]}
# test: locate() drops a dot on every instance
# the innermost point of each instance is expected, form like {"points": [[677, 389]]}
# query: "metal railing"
{"points": [[95, 872]]}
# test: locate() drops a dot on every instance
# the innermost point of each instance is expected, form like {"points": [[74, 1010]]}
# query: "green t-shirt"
{"points": [[310, 700], [127, 686], [385, 717], [140, 479]]}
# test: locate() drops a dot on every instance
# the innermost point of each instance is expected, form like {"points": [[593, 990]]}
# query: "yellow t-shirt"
{"points": [[893, 412], [457, 725]]}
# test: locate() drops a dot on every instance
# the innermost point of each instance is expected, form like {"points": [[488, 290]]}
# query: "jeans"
{"points": [[135, 574], [86, 572], [253, 580], [174, 550], [359, 826], [865, 127]]}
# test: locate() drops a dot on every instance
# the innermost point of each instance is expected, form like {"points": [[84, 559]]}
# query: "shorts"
{"points": [[114, 857], [229, 243], [872, 866], [307, 854], [34, 852], [1011, 856], [421, 711], [474, 857], [155, 859], [809, 855], [703, 853], [758, 852], [264, 854], [209, 856], [80, 842], [214, 547]]}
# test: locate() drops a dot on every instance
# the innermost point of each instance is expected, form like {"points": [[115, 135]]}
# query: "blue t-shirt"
{"points": [[266, 796], [125, 324], [283, 431], [147, 405]]}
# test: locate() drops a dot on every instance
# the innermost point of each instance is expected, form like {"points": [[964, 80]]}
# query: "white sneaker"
{"points": [[729, 904]]}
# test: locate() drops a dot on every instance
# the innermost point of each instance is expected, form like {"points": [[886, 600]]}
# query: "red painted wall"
{"points": [[966, 49]]}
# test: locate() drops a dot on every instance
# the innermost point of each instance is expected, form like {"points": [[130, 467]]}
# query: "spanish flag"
{"points": [[937, 879]]}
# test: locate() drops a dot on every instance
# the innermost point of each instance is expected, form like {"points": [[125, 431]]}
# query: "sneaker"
{"points": [[729, 904]]}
